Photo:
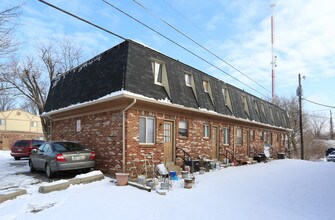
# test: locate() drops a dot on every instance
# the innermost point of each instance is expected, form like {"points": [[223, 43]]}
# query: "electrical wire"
{"points": [[197, 43], [316, 103], [179, 45], [79, 18]]}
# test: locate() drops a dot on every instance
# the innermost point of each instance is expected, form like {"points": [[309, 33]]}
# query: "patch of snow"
{"points": [[281, 189], [89, 174]]}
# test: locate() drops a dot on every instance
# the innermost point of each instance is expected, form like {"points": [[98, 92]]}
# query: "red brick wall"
{"points": [[103, 133], [100, 132]]}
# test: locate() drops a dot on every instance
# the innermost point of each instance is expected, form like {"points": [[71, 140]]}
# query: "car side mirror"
{"points": [[34, 151]]}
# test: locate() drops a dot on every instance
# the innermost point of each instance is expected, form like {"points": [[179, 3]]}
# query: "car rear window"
{"points": [[21, 143], [37, 143], [67, 146]]}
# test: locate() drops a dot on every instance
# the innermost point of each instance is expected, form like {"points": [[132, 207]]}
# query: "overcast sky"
{"points": [[238, 32]]}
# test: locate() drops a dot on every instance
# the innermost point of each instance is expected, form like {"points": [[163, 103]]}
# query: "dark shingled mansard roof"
{"points": [[127, 66]]}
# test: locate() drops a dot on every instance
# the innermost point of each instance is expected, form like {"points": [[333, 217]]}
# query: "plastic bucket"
{"points": [[173, 175]]}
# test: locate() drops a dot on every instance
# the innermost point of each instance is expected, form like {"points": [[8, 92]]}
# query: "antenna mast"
{"points": [[273, 61]]}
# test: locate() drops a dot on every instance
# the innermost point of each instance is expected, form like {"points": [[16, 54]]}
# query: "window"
{"points": [[265, 137], [188, 79], [183, 129], [157, 69], [252, 135], [226, 136], [206, 131], [282, 140], [206, 86], [270, 138], [147, 130], [2, 121], [78, 125], [277, 138], [226, 97], [239, 136], [261, 136], [33, 124], [256, 107], [262, 108], [245, 105], [271, 114]]}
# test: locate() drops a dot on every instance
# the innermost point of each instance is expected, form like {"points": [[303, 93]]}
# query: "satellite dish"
{"points": [[267, 150]]}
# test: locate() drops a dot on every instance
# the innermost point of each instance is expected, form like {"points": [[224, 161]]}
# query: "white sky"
{"points": [[237, 31]]}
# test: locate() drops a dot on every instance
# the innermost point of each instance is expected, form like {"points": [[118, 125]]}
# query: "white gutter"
{"points": [[124, 135]]}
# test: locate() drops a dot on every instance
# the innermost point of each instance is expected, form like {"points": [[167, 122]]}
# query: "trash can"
{"points": [[281, 156]]}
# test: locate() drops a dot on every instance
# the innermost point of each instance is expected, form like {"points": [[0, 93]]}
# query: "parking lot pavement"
{"points": [[16, 174]]}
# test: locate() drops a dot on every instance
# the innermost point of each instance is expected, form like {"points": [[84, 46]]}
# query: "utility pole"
{"points": [[299, 93], [331, 126]]}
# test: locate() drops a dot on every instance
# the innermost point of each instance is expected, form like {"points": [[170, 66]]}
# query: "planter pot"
{"points": [[122, 178], [188, 183]]}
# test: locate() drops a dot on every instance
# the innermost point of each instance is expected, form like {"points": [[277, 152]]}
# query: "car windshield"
{"points": [[67, 146]]}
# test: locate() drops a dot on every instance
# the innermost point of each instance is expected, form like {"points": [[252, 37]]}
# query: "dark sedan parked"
{"points": [[53, 157]]}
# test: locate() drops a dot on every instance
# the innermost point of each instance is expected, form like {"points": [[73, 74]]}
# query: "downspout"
{"points": [[124, 135]]}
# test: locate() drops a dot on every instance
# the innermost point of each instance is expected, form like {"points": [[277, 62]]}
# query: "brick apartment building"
{"points": [[131, 101]]}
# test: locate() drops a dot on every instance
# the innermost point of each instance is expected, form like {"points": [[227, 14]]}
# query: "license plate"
{"points": [[19, 149], [78, 157]]}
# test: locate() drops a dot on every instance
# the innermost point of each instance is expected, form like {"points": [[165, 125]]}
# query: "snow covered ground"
{"points": [[282, 189]]}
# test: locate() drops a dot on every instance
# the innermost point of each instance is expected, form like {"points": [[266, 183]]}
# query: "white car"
{"points": [[331, 157]]}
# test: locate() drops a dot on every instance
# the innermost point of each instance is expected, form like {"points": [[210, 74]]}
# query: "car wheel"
{"points": [[32, 168], [48, 171], [17, 158]]}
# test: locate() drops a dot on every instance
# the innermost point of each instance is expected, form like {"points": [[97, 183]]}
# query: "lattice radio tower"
{"points": [[273, 61]]}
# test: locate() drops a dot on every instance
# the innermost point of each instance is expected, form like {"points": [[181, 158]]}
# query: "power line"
{"points": [[191, 39], [316, 103], [79, 18], [179, 45]]}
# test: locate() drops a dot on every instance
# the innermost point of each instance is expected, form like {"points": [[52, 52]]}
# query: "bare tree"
{"points": [[8, 44], [318, 122], [30, 78], [6, 101], [291, 105], [29, 106]]}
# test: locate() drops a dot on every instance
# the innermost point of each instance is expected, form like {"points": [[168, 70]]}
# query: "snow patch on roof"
{"points": [[79, 68]]}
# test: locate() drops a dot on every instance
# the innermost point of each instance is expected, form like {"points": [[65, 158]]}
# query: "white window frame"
{"points": [[149, 121], [78, 125], [157, 69], [245, 104], [33, 124], [265, 137], [188, 79], [183, 125], [207, 131], [239, 137], [226, 97], [261, 135], [226, 135], [2, 122], [206, 86], [252, 135]]}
